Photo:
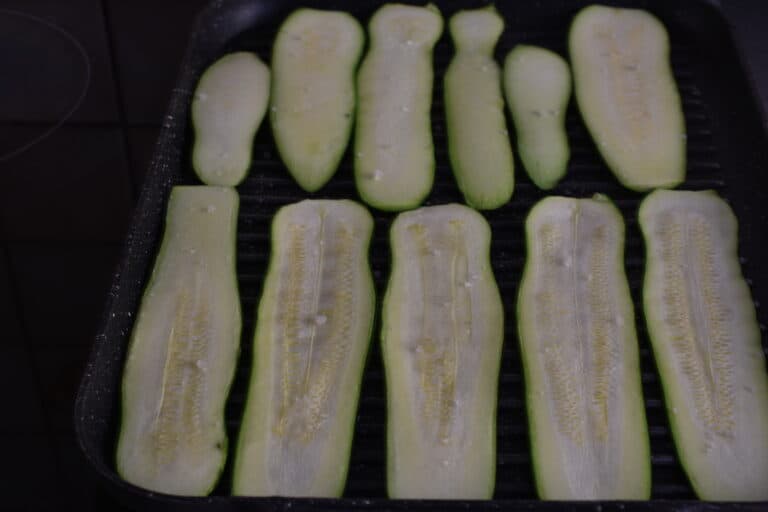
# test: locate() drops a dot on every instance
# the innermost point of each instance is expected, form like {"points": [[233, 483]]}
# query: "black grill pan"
{"points": [[727, 152]]}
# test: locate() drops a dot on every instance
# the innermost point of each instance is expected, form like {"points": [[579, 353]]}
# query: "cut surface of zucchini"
{"points": [[312, 334], [537, 83], [313, 92], [394, 154], [478, 141], [183, 350], [706, 342], [442, 330], [627, 95], [589, 438], [229, 103]]}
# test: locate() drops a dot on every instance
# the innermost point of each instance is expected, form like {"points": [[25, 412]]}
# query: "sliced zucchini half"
{"points": [[627, 95], [394, 154], [706, 342], [312, 335], [589, 438], [313, 92], [442, 331], [229, 103], [183, 350]]}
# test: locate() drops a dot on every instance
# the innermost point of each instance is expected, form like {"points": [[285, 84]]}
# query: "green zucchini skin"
{"points": [[312, 335], [183, 350], [313, 92], [227, 109], [588, 433], [442, 332], [478, 141], [706, 342]]}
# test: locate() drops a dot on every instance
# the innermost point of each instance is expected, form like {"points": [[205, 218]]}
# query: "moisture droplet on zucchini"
{"points": [[627, 95], [313, 92], [312, 335], [442, 330], [589, 438], [227, 109], [478, 141], [706, 342], [183, 350], [394, 155], [537, 83]]}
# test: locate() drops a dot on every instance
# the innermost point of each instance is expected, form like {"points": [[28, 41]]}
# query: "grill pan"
{"points": [[726, 151]]}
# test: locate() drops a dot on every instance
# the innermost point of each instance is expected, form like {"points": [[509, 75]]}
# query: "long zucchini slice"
{"points": [[313, 92], [183, 350], [706, 343], [627, 95], [537, 83], [394, 155], [589, 437], [312, 335], [442, 330], [478, 141], [229, 103]]}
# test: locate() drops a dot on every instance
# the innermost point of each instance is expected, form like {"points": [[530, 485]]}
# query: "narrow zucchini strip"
{"points": [[442, 330], [706, 341], [588, 432], [312, 334]]}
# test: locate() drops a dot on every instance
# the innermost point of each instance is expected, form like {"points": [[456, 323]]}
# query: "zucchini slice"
{"points": [[313, 92], [229, 103], [627, 95], [183, 350], [312, 335], [589, 437], [442, 330], [537, 84], [478, 141], [394, 155], [706, 342]]}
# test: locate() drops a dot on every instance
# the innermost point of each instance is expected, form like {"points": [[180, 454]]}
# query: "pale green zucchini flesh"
{"points": [[442, 331], [537, 83], [706, 342], [313, 92], [478, 141], [588, 433], [229, 103], [394, 155], [627, 95], [183, 350], [312, 335]]}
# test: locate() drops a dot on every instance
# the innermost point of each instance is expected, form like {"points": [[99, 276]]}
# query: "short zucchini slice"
{"points": [[442, 331], [313, 92], [706, 342], [537, 83], [227, 109], [394, 155], [589, 437], [627, 95], [478, 141], [312, 335], [183, 350]]}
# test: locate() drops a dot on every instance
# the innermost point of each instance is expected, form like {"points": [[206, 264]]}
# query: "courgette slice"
{"points": [[478, 141], [312, 335], [706, 342], [183, 350], [394, 155], [442, 330], [229, 103], [589, 437], [627, 95], [537, 83], [313, 92]]}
